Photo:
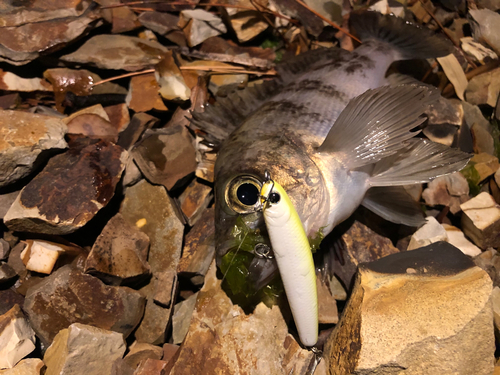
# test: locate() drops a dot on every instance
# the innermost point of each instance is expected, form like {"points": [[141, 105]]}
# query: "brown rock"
{"points": [[6, 201], [425, 311], [7, 273], [15, 260], [144, 94], [481, 221], [70, 296], [138, 124], [165, 156], [29, 366], [118, 116], [327, 306], [17, 338], [181, 319], [93, 126], [124, 20], [199, 248], [24, 140], [489, 261], [8, 299], [451, 190], [194, 200], [199, 25], [485, 165], [70, 190], [484, 88], [164, 287], [247, 24], [171, 80], [151, 367], [360, 245], [138, 352], [296, 360], [83, 348], [119, 253], [164, 24], [170, 351], [128, 53], [482, 141]]}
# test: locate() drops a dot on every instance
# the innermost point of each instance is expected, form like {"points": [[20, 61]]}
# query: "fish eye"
{"points": [[243, 194], [274, 198]]}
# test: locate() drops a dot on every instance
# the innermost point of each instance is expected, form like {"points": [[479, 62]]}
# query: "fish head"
{"points": [[240, 173]]}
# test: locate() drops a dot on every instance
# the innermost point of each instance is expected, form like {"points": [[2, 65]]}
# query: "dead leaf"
{"points": [[455, 74]]}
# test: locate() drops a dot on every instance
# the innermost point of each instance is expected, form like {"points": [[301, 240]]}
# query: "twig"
{"points": [[331, 23], [227, 70], [123, 76]]}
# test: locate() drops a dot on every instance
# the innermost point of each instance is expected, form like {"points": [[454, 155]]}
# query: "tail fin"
{"points": [[411, 41], [421, 161]]}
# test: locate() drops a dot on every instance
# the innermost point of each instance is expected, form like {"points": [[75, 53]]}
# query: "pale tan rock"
{"points": [[426, 311], [183, 311], [29, 366], [222, 339], [138, 352], [85, 348], [23, 138], [327, 305], [337, 290], [17, 338], [41, 256], [199, 25], [457, 238], [450, 190], [429, 233], [481, 220], [486, 27], [484, 88], [172, 85], [495, 301], [485, 165], [246, 24]]}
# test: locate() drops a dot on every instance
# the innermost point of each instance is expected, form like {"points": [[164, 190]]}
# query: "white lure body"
{"points": [[295, 262]]}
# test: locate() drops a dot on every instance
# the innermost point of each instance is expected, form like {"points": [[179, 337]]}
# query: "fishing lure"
{"points": [[294, 258]]}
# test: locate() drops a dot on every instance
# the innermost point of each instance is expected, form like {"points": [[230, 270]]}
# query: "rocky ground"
{"points": [[107, 241]]}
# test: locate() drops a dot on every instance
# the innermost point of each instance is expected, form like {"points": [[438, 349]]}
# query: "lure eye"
{"points": [[243, 194], [274, 198]]}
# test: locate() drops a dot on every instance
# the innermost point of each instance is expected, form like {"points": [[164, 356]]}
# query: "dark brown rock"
{"points": [[9, 298], [70, 190], [119, 253], [199, 248], [4, 249], [194, 200], [7, 273], [70, 296], [166, 156], [138, 124], [164, 24]]}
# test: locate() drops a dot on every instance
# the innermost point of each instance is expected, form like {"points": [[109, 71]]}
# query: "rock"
{"points": [[124, 20], [477, 50], [6, 201], [29, 366], [297, 360], [450, 190], [327, 306], [181, 318], [489, 4], [17, 338], [199, 25], [128, 53], [457, 238], [132, 174], [8, 299], [336, 289], [222, 339], [41, 256], [150, 209], [15, 260], [486, 27], [138, 352], [118, 116], [25, 140], [11, 82], [425, 311], [120, 252], [166, 156], [70, 190], [143, 94], [485, 165], [429, 233], [170, 351], [171, 80], [358, 249], [81, 347], [7, 273], [164, 24], [199, 249], [484, 88], [489, 260], [444, 118], [92, 126], [495, 301], [70, 296], [4, 249], [165, 283], [246, 24], [194, 201], [482, 141], [481, 221], [139, 123], [151, 367]]}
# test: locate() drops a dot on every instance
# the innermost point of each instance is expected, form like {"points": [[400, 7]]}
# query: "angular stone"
{"points": [[118, 116], [6, 201], [297, 360], [194, 201], [25, 139], [124, 20], [164, 24], [92, 126], [8, 299], [7, 273], [445, 117], [495, 301], [481, 221], [144, 94], [85, 347], [181, 319], [486, 27], [11, 82], [120, 252], [128, 53], [223, 340], [15, 260], [41, 256], [358, 249], [171, 80], [70, 190], [457, 238], [166, 156], [426, 311], [170, 351], [29, 366], [151, 367], [485, 165], [489, 261], [477, 50], [484, 88], [70, 296], [138, 352], [132, 174], [138, 124], [429, 233], [199, 25], [164, 286], [327, 306], [450, 190], [17, 338], [199, 249], [482, 141], [247, 24]]}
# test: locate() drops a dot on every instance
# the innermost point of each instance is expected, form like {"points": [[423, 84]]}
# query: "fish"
{"points": [[333, 134]]}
